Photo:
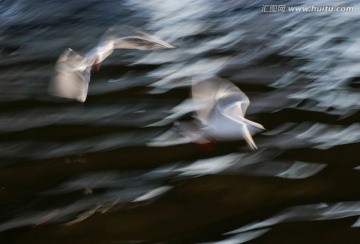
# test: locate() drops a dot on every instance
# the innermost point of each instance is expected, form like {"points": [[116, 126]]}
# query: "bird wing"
{"points": [[130, 38], [71, 78], [219, 94], [70, 60], [231, 100], [153, 38], [203, 96], [138, 42]]}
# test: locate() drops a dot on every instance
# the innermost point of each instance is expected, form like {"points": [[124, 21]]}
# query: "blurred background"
{"points": [[91, 173]]}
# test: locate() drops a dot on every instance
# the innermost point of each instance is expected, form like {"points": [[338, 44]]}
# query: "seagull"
{"points": [[220, 108], [72, 70]]}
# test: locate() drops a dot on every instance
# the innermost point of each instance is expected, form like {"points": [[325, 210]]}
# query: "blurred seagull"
{"points": [[220, 107], [72, 70]]}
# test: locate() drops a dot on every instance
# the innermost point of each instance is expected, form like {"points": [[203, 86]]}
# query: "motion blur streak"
{"points": [[116, 168]]}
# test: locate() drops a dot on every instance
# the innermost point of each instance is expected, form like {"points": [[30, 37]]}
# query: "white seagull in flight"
{"points": [[220, 107], [72, 70]]}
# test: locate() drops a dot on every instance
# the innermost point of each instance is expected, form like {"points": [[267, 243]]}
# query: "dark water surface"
{"points": [[111, 171]]}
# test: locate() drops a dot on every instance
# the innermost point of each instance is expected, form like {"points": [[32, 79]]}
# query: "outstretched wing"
{"points": [[231, 100], [130, 38], [203, 95], [153, 38], [71, 77], [219, 94], [135, 42]]}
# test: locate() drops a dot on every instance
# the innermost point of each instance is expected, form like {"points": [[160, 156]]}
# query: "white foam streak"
{"points": [[153, 193], [243, 237], [209, 166], [312, 212]]}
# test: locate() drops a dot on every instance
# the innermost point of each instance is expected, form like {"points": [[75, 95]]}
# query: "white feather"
{"points": [[221, 107]]}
